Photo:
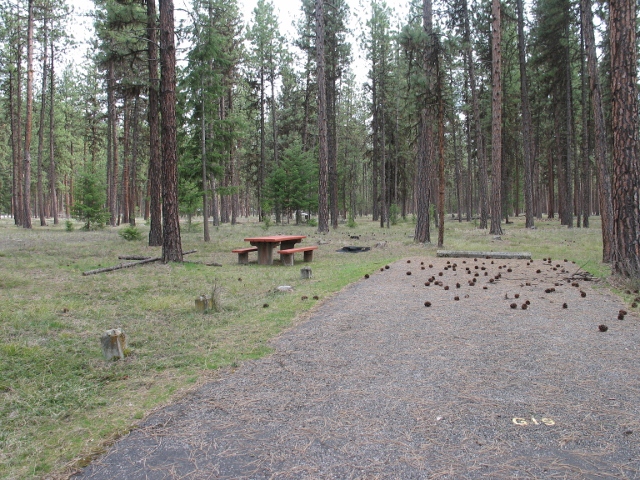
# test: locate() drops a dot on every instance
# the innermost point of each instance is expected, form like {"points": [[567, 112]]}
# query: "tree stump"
{"points": [[114, 343], [204, 303], [305, 273]]}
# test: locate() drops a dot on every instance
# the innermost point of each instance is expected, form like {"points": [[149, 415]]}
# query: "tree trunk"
{"points": [[26, 223], [323, 147], [133, 166], [43, 106], [603, 175], [568, 160], [203, 154], [527, 135], [626, 161], [496, 120], [274, 128], [53, 181], [585, 173], [235, 204], [15, 106], [262, 168], [441, 182], [113, 144], [126, 157], [422, 232], [332, 159], [171, 242], [155, 159]]}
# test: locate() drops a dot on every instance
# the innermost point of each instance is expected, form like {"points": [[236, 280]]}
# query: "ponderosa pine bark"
{"points": [[43, 103], [426, 142], [112, 145], [626, 161], [441, 179], [26, 221], [496, 120], [601, 155], [323, 146], [155, 161], [53, 179], [527, 134], [171, 242]]}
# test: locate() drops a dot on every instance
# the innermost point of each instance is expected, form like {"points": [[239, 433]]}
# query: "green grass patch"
{"points": [[61, 403]]}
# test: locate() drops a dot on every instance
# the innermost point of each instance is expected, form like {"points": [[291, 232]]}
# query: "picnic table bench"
{"points": [[287, 255], [243, 254], [265, 245]]}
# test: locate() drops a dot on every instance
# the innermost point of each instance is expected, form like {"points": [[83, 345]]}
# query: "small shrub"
{"points": [[266, 223], [312, 222], [351, 223], [131, 234], [394, 213], [69, 227]]}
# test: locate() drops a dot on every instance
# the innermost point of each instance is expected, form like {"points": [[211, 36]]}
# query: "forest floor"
{"points": [[62, 405], [375, 384]]}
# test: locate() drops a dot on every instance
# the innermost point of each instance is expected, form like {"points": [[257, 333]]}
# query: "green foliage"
{"points": [[312, 222], [89, 206], [131, 233], [266, 223], [293, 184], [69, 227], [394, 213], [351, 222], [189, 199]]}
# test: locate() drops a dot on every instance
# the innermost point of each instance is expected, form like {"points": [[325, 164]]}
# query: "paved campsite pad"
{"points": [[376, 385]]}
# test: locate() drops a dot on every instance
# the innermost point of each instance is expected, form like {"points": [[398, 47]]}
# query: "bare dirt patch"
{"points": [[374, 384]]}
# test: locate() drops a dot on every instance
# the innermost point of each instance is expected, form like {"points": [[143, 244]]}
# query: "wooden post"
{"points": [[114, 344], [204, 303], [305, 273]]}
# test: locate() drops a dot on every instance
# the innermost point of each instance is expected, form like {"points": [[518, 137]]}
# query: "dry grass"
{"points": [[61, 403]]}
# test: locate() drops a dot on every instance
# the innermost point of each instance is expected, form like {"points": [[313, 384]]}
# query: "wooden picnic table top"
{"points": [[275, 238]]}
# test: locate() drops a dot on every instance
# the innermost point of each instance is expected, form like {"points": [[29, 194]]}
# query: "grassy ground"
{"points": [[61, 403]]}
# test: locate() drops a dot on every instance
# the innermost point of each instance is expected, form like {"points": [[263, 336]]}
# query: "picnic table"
{"points": [[266, 244]]}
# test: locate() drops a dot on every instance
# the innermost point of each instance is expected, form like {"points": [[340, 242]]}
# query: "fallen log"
{"points": [[468, 254], [133, 257], [128, 265]]}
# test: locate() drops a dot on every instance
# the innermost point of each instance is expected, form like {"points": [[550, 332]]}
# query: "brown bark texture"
{"points": [[422, 232], [323, 146], [53, 180], [601, 155], [155, 161], [113, 145], [43, 102], [496, 120], [171, 242], [26, 221], [626, 164]]}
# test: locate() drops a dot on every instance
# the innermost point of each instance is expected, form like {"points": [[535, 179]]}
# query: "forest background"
{"points": [[470, 108]]}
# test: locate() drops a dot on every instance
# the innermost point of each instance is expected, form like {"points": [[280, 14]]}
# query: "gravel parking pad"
{"points": [[375, 384]]}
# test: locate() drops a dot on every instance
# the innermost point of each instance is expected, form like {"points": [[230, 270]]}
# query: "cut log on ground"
{"points": [[128, 265], [468, 254], [133, 257]]}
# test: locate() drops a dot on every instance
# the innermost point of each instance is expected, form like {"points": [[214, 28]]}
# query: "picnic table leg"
{"points": [[308, 256], [265, 253], [243, 258], [287, 259], [286, 245]]}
